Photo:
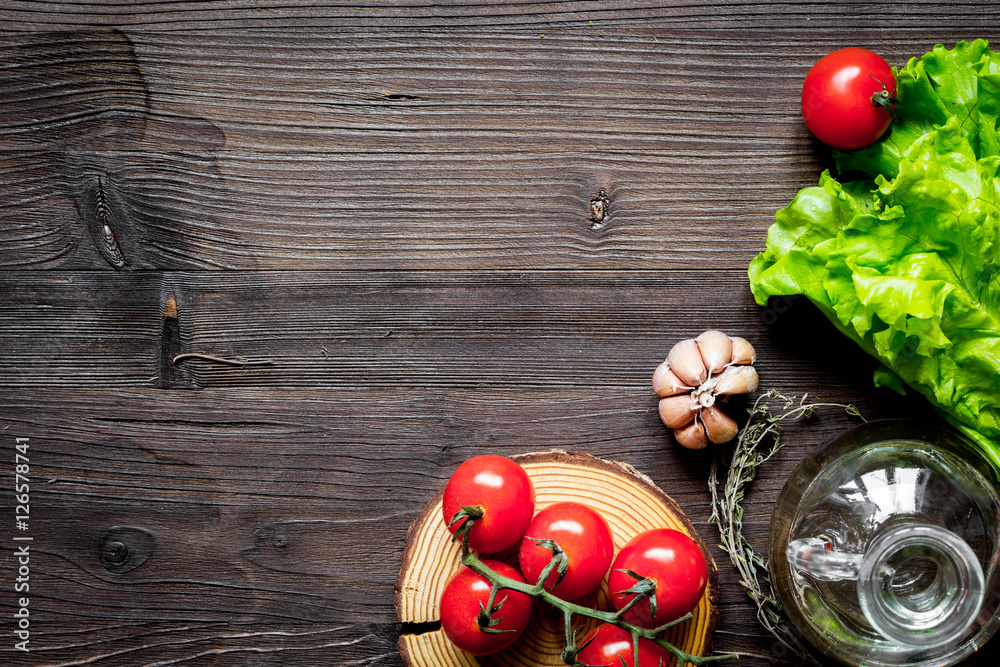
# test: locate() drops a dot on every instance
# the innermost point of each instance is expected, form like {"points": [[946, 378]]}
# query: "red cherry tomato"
{"points": [[610, 645], [582, 534], [460, 605], [837, 98], [673, 561], [504, 493]]}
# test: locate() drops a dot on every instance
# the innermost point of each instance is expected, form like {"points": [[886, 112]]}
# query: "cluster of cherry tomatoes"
{"points": [[497, 495]]}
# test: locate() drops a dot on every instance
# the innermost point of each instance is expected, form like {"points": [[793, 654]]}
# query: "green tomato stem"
{"points": [[628, 605]]}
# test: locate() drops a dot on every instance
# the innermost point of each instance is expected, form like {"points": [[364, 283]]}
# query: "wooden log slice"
{"points": [[629, 501]]}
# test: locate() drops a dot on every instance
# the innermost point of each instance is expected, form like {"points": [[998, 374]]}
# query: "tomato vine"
{"points": [[570, 651]]}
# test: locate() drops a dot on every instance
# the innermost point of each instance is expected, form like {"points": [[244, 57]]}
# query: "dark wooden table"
{"points": [[451, 228]]}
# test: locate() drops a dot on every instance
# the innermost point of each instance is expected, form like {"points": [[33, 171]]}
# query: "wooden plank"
{"points": [[404, 149], [267, 525], [394, 329], [325, 211], [597, 16]]}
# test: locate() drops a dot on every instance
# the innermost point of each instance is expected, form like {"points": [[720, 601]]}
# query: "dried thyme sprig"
{"points": [[758, 441]]}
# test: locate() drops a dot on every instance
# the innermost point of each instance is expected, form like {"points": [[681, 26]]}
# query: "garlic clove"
{"points": [[719, 426], [692, 436], [666, 383], [716, 350], [686, 363], [678, 411], [737, 380], [743, 352]]}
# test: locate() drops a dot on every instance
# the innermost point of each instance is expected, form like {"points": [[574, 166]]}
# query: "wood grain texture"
{"points": [[178, 15], [397, 330], [405, 149]]}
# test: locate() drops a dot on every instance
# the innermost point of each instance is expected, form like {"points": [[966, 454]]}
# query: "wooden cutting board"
{"points": [[629, 501]]}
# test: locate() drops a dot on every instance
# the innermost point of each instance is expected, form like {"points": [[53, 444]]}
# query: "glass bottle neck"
{"points": [[920, 585]]}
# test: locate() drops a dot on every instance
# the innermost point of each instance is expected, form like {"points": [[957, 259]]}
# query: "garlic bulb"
{"points": [[698, 372]]}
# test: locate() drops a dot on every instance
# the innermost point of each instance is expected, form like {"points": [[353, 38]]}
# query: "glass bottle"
{"points": [[884, 546]]}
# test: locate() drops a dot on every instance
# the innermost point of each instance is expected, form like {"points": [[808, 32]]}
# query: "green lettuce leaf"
{"points": [[906, 259]]}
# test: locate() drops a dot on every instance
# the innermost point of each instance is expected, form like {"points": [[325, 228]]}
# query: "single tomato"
{"points": [[612, 646], [582, 535], [845, 97], [501, 491], [673, 561], [466, 593]]}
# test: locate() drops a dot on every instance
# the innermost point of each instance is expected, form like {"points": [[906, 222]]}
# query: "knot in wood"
{"points": [[122, 548], [103, 216], [115, 552], [599, 205]]}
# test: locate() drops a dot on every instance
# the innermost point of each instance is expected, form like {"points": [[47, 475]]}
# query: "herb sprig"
{"points": [[758, 441]]}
